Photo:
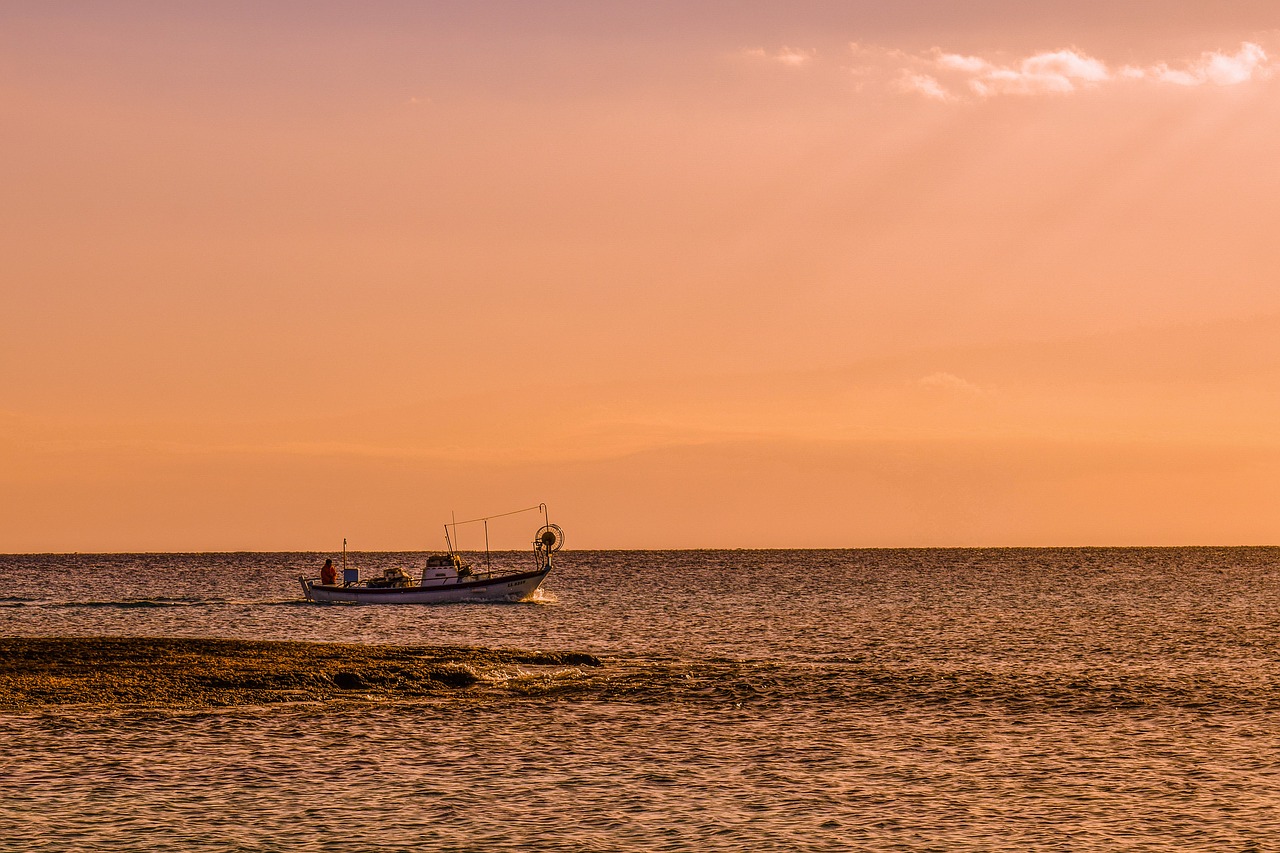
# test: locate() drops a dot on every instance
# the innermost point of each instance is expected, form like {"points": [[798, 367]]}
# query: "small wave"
{"points": [[868, 685]]}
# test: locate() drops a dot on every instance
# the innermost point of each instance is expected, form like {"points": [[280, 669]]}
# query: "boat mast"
{"points": [[485, 520]]}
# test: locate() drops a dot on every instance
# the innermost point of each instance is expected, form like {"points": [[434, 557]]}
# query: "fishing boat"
{"points": [[445, 578]]}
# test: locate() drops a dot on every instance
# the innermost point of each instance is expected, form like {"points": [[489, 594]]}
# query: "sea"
{"points": [[788, 700]]}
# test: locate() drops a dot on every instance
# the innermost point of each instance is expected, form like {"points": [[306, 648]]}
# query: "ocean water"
{"points": [[949, 700]]}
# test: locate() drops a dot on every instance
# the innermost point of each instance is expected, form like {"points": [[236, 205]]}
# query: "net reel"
{"points": [[549, 539]]}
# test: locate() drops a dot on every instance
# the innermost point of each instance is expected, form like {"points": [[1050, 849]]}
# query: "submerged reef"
{"points": [[39, 672], [105, 673]]}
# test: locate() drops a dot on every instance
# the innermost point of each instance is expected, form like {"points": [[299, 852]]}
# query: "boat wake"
{"points": [[123, 603]]}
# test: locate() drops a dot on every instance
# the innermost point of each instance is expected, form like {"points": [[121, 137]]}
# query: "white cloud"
{"points": [[1249, 63], [938, 75], [964, 64], [1059, 71], [948, 382], [788, 56], [1065, 63], [922, 84], [943, 76]]}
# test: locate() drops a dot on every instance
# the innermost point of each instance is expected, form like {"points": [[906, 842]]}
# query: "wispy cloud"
{"points": [[954, 78], [787, 56], [946, 76], [948, 382], [1059, 71], [922, 84], [1249, 63]]}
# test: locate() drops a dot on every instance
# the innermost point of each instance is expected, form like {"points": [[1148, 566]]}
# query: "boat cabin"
{"points": [[444, 569]]}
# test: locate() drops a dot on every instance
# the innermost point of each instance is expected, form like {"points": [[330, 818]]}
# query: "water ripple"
{"points": [[994, 700]]}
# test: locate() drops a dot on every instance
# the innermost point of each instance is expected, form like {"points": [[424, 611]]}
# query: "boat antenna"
{"points": [[344, 556], [486, 544], [447, 541]]}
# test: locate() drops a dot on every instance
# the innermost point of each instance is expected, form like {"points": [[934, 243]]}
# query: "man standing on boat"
{"points": [[328, 575]]}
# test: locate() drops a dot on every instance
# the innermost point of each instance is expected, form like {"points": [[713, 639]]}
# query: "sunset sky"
{"points": [[809, 274]]}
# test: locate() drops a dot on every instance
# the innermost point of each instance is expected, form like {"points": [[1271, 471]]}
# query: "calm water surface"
{"points": [[767, 700]]}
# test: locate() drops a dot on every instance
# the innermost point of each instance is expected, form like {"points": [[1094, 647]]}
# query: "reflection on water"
{"points": [[879, 700]]}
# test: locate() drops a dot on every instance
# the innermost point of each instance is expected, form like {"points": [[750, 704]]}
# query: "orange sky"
{"points": [[856, 274]]}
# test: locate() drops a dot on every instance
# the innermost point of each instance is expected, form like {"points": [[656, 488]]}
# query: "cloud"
{"points": [[1060, 71], [1249, 63], [787, 56], [948, 382], [943, 76], [963, 64], [922, 84], [947, 77]]}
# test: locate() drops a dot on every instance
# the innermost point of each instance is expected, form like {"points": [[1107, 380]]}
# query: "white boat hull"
{"points": [[507, 587]]}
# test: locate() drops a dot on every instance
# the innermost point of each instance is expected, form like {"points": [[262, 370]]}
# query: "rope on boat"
{"points": [[451, 540], [499, 515]]}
